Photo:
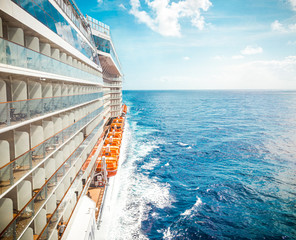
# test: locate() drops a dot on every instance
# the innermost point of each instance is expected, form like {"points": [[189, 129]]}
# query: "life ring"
{"points": [[101, 184]]}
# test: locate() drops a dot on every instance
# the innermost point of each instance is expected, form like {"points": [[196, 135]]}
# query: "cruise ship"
{"points": [[60, 87]]}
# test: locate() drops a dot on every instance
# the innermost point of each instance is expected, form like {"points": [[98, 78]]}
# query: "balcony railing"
{"points": [[19, 56], [114, 84], [106, 92], [99, 26], [115, 91], [113, 109], [14, 112], [118, 80], [19, 167], [115, 96], [78, 21], [16, 227], [57, 215]]}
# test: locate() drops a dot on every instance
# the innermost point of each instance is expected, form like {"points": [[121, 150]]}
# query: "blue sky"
{"points": [[202, 44]]}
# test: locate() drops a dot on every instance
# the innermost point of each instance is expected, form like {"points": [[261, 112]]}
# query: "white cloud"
{"points": [[293, 4], [292, 27], [250, 50], [122, 6], [291, 43], [164, 15], [99, 1], [274, 74], [186, 58], [218, 57], [279, 27], [238, 57]]}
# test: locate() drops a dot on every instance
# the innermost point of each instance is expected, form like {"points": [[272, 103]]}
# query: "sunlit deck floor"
{"points": [[96, 194]]}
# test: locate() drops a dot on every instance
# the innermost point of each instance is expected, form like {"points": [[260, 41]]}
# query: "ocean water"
{"points": [[207, 165]]}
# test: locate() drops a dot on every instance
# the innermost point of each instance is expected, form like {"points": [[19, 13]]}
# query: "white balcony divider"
{"points": [[38, 178], [24, 194], [28, 234], [6, 212], [21, 143], [40, 221]]}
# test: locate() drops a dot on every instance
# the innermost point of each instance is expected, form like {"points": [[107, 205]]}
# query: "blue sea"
{"points": [[208, 165]]}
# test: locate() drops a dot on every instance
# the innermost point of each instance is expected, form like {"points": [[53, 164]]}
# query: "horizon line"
{"points": [[213, 89]]}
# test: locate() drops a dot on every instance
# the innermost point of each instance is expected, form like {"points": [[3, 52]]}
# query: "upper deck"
{"points": [[105, 48]]}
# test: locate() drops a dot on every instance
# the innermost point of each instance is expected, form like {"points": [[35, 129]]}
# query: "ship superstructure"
{"points": [[60, 83], [112, 75]]}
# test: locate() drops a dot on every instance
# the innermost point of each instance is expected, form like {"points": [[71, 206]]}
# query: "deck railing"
{"points": [[19, 56], [57, 215], [19, 167], [16, 111]]}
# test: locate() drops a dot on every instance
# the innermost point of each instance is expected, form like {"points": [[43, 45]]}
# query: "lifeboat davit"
{"points": [[111, 165], [88, 160], [111, 148]]}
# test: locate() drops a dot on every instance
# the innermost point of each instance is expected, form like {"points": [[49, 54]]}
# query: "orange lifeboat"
{"points": [[124, 108], [113, 141], [118, 120], [111, 165], [113, 151], [115, 134], [111, 148], [117, 126]]}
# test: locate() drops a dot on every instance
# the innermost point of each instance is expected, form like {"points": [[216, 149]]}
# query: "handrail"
{"points": [[45, 140]]}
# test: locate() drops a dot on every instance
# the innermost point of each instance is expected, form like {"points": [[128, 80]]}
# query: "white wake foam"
{"points": [[150, 165], [194, 208], [133, 191], [182, 144]]}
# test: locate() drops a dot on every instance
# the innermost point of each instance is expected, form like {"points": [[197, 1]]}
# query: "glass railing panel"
{"points": [[56, 103], [33, 60], [16, 55], [5, 113], [38, 153], [2, 52], [60, 173], [10, 233], [19, 111], [21, 164], [50, 145], [35, 107], [58, 139], [51, 184], [15, 112], [48, 105]]}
